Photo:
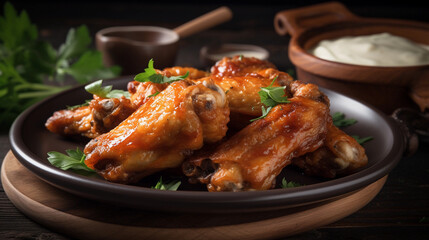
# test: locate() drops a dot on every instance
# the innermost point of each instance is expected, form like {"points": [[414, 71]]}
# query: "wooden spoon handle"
{"points": [[204, 22], [300, 19]]}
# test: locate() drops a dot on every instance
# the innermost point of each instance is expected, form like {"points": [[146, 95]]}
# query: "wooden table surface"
{"points": [[399, 211]]}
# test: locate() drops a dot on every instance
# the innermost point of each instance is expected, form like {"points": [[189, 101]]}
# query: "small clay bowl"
{"points": [[131, 47], [210, 54], [386, 88]]}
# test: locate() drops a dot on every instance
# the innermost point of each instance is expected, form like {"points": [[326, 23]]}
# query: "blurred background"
{"points": [[54, 18]]}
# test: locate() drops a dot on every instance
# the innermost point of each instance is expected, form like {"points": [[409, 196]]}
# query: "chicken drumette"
{"points": [[252, 158], [161, 133], [103, 114]]}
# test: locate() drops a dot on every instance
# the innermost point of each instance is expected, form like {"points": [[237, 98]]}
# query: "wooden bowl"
{"points": [[386, 88]]}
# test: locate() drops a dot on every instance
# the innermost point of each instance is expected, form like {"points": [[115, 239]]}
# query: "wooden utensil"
{"points": [[131, 47]]}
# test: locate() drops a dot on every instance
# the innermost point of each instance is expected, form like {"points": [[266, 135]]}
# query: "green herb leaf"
{"points": [[339, 120], [76, 44], [96, 88], [150, 75], [16, 30], [172, 186], [264, 113], [290, 184], [271, 97], [362, 140], [27, 61], [153, 95], [90, 66], [74, 160]]}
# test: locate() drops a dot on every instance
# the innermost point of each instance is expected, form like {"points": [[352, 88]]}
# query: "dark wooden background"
{"points": [[400, 211]]}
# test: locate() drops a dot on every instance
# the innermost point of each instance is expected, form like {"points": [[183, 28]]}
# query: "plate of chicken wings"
{"points": [[231, 145]]}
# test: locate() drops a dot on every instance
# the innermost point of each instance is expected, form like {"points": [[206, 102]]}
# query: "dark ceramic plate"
{"points": [[31, 141]]}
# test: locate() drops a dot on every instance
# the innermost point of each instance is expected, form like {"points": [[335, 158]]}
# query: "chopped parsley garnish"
{"points": [[172, 186], [74, 160], [271, 97], [290, 184], [106, 91], [362, 140], [150, 75], [339, 120], [264, 113]]}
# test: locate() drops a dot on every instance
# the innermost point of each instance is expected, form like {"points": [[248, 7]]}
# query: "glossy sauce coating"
{"points": [[253, 157], [160, 133]]}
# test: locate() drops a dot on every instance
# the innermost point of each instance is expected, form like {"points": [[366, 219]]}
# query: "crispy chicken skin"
{"points": [[71, 122], [140, 91], [102, 115], [242, 78], [180, 71], [108, 113], [161, 132], [252, 158], [340, 155]]}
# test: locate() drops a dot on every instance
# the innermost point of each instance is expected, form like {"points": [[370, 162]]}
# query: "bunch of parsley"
{"points": [[32, 69]]}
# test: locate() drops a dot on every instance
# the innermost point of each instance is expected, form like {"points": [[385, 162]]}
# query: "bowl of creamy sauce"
{"points": [[380, 49], [384, 62]]}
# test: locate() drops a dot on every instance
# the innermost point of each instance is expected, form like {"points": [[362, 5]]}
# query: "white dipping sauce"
{"points": [[381, 49]]}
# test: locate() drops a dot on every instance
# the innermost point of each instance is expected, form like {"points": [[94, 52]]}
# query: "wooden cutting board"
{"points": [[86, 219]]}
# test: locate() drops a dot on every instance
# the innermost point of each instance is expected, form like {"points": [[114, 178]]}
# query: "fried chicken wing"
{"points": [[252, 158], [103, 114], [107, 113], [161, 132], [242, 79], [341, 154], [72, 122]]}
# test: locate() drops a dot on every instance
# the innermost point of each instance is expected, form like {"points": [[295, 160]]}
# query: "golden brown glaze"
{"points": [[253, 157], [142, 91], [161, 132], [242, 79], [180, 71], [341, 154], [72, 122], [109, 112], [102, 115]]}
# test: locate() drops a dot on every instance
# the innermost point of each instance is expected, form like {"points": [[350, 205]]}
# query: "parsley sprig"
{"points": [[172, 186], [96, 88], [271, 97], [74, 160], [31, 69], [150, 75], [362, 140], [339, 120], [289, 184]]}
